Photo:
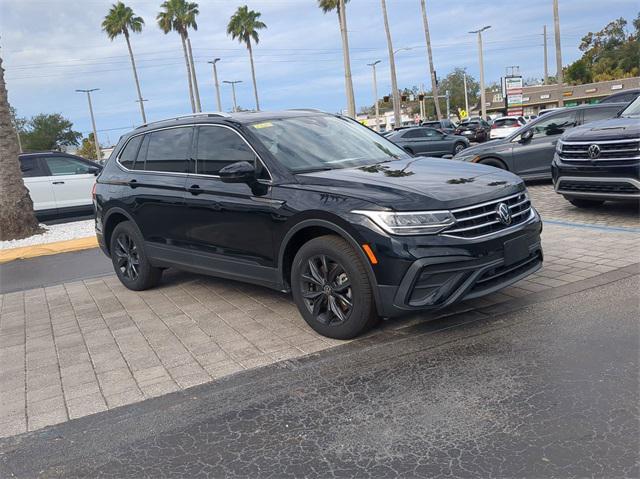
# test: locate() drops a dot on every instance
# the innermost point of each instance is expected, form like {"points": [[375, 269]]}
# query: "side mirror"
{"points": [[526, 135], [238, 172], [94, 170]]}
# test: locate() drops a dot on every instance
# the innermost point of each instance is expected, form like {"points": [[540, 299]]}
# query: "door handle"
{"points": [[194, 190], [58, 182], [132, 183]]}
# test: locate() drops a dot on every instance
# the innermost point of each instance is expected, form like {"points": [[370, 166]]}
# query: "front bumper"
{"points": [[435, 282]]}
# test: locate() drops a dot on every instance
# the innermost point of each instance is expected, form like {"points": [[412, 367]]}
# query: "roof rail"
{"points": [[190, 115], [306, 109]]}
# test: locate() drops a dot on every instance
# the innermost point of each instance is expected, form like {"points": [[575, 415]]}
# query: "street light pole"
{"points": [[432, 73], [483, 99], [215, 82], [93, 121], [375, 93], [546, 67], [559, 73], [233, 91], [397, 117]]}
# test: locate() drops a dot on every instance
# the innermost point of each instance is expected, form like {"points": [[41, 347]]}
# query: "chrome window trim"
{"points": [[175, 173]]}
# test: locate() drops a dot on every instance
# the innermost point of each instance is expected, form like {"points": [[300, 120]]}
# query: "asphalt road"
{"points": [[550, 390]]}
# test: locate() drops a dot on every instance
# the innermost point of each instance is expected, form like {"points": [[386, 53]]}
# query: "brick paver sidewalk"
{"points": [[79, 348]]}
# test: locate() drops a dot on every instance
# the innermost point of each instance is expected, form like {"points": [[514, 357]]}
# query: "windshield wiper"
{"points": [[313, 170]]}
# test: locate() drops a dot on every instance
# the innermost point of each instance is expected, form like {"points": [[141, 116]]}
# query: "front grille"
{"points": [[482, 220], [502, 274], [614, 187], [618, 150]]}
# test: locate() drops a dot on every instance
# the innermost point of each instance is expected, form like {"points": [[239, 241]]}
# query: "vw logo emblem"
{"points": [[593, 152], [503, 214]]}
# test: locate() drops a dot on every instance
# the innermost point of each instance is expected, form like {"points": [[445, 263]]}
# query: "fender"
{"points": [[111, 212], [345, 235]]}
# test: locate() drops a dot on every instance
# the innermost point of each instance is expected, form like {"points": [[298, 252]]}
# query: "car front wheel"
{"points": [[129, 259], [458, 148], [331, 288]]}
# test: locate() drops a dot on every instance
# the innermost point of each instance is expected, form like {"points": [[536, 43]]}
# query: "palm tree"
{"points": [[120, 21], [392, 67], [432, 74], [16, 208], [339, 7], [244, 26], [179, 16]]}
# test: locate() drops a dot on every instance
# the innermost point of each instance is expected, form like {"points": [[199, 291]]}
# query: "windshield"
{"points": [[322, 142], [633, 110]]}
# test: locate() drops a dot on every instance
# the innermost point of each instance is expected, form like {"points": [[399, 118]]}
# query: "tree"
{"points": [[17, 219], [179, 16], [119, 21], [339, 7], [608, 54], [88, 148], [397, 117], [49, 132], [454, 82], [244, 26]]}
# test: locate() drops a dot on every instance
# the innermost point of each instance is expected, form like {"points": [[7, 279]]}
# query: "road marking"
{"points": [[617, 229]]}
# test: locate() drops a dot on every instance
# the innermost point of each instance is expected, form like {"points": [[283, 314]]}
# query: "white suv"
{"points": [[58, 183]]}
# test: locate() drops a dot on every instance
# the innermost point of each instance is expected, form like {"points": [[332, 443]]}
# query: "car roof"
{"points": [[48, 153], [508, 118]]}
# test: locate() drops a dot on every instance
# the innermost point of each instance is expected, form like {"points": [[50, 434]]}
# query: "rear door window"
{"points": [[168, 150], [31, 167], [413, 134], [595, 114], [65, 166], [128, 155], [555, 124]]}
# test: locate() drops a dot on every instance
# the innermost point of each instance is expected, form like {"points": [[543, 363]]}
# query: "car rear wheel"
{"points": [[129, 259], [458, 147], [331, 288], [494, 162], [582, 203]]}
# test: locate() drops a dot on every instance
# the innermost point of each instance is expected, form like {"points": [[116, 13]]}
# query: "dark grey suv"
{"points": [[528, 152], [428, 141]]}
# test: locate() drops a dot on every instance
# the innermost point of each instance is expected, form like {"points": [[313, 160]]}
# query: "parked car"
{"points": [[315, 204], [505, 125], [528, 118], [428, 141], [59, 183], [528, 152], [600, 161], [626, 96], [474, 130], [546, 110], [445, 125]]}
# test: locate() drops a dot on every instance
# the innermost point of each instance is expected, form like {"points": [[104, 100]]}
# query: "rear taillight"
{"points": [[93, 191], [494, 126]]}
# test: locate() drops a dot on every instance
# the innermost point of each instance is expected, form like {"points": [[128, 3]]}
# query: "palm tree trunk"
{"points": [[348, 82], [193, 77], [186, 59], [253, 75], [434, 85], [17, 219], [135, 77], [392, 66]]}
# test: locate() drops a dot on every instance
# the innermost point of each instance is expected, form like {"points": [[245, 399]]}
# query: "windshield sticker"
{"points": [[262, 125]]}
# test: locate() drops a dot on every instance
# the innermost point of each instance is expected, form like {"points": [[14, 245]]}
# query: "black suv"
{"points": [[600, 161], [315, 204]]}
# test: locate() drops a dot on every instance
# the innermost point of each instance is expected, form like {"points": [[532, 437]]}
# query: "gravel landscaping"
{"points": [[54, 233]]}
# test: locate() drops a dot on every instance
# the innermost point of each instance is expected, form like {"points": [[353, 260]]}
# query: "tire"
{"points": [[494, 162], [458, 147], [327, 276], [582, 203], [129, 259]]}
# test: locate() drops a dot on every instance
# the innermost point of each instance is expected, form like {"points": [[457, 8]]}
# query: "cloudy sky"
{"points": [[52, 47]]}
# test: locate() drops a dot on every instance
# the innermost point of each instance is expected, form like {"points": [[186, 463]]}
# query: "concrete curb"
{"points": [[48, 249]]}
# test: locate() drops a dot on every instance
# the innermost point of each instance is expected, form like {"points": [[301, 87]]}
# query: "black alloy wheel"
{"points": [[458, 148], [133, 268], [326, 289], [127, 258]]}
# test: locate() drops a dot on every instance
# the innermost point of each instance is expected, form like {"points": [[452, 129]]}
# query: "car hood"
{"points": [[611, 129], [419, 183], [492, 146]]}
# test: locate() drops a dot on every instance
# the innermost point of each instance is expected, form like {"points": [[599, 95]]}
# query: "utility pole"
{"points": [[448, 104], [375, 93], [215, 82], [351, 102], [546, 67], [559, 74], [93, 121], [397, 117], [466, 97], [233, 91], [483, 99], [432, 73]]}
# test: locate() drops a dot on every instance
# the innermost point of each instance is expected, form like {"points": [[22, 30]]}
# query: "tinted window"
{"points": [[142, 154], [128, 155], [595, 114], [555, 124], [63, 166], [433, 124], [168, 150], [30, 167], [413, 134], [218, 147], [506, 122]]}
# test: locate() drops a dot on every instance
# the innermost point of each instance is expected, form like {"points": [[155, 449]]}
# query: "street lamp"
{"points": [[93, 121], [375, 93], [233, 91], [215, 82], [483, 100]]}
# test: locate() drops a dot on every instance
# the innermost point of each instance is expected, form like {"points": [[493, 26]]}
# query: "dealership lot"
{"points": [[83, 347]]}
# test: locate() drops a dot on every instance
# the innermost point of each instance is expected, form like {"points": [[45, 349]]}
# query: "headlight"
{"points": [[410, 223], [559, 147]]}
